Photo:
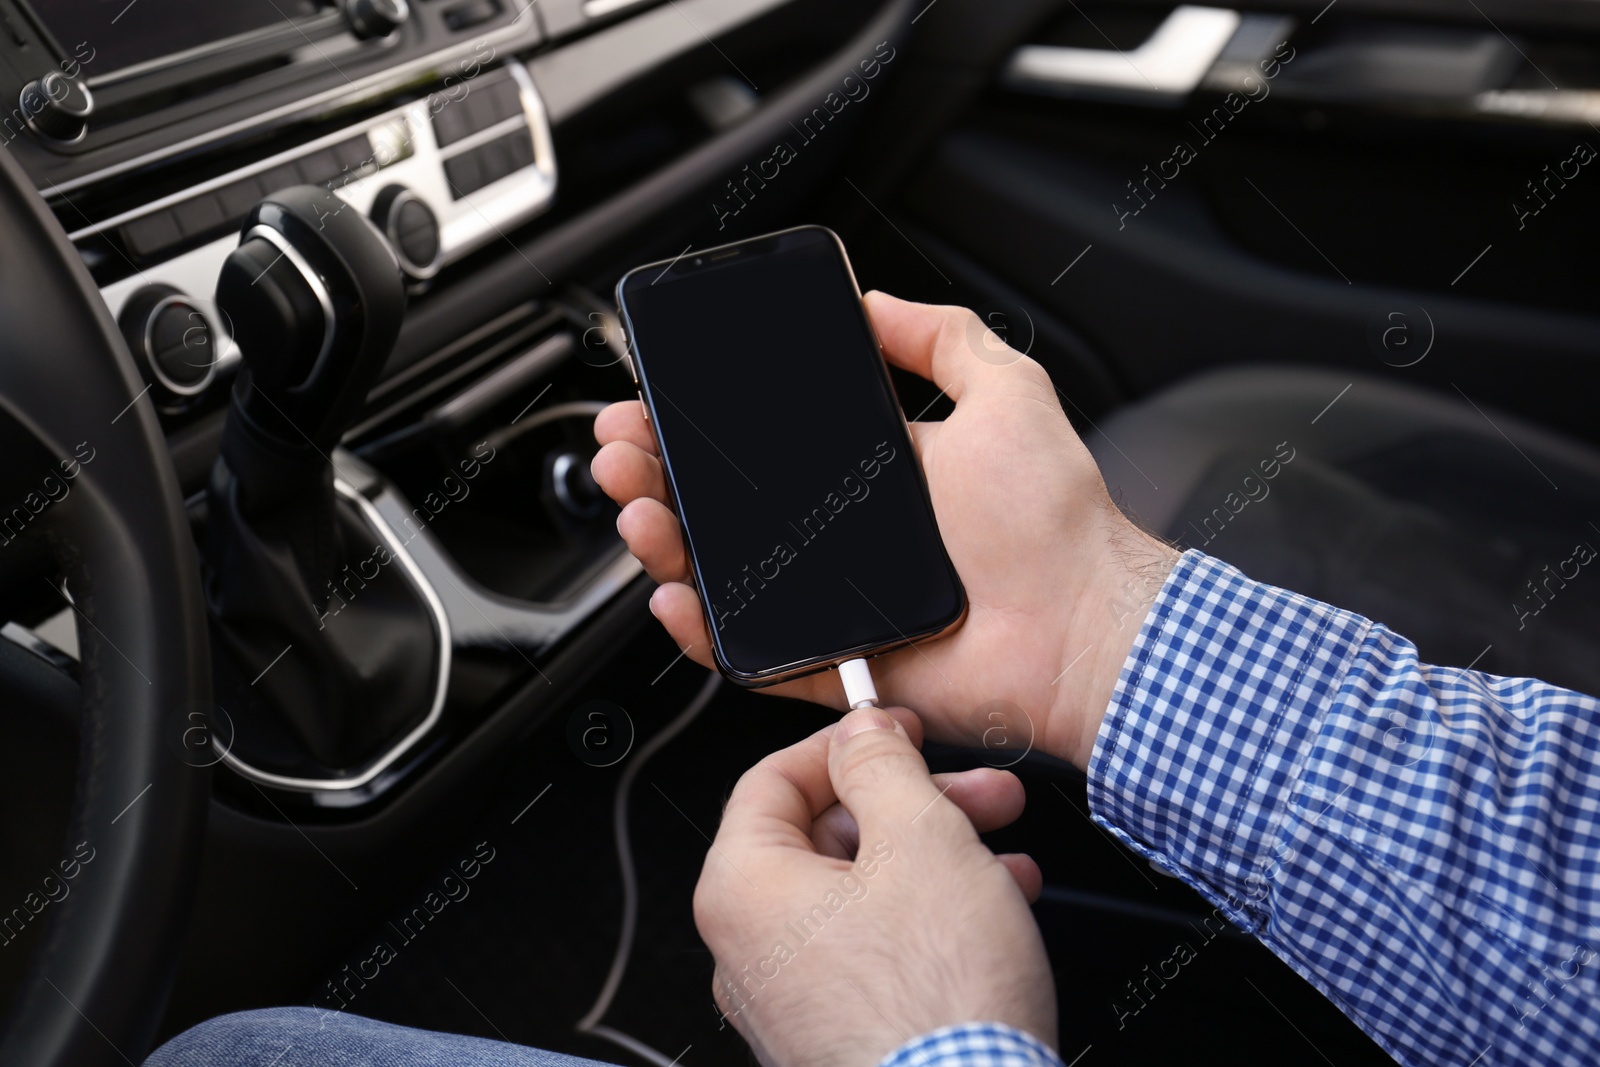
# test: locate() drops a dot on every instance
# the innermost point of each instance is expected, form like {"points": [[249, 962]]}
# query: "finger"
{"points": [[655, 538], [777, 800], [990, 799], [881, 778], [677, 607], [804, 768], [923, 435], [929, 340], [625, 421], [1025, 873], [627, 472], [835, 834]]}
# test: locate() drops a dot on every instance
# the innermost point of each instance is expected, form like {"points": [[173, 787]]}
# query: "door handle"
{"points": [[1165, 68]]}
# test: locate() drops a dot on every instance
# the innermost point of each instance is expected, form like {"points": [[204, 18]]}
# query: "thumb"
{"points": [[880, 777]]}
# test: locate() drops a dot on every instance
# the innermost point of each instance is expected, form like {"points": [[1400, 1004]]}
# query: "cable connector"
{"points": [[859, 692]]}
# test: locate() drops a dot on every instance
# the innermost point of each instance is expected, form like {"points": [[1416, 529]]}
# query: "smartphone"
{"points": [[809, 529]]}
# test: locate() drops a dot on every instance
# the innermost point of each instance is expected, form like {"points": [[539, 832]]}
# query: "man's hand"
{"points": [[851, 907], [1057, 579]]}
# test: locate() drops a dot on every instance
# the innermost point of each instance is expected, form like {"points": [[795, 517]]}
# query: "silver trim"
{"points": [[483, 136], [395, 77], [313, 279], [419, 271], [149, 353], [377, 523], [1556, 106], [533, 109], [594, 9], [1170, 64]]}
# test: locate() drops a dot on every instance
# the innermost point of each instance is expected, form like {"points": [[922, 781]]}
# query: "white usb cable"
{"points": [[859, 692]]}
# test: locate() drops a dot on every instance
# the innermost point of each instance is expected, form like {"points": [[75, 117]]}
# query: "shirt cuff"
{"points": [[1211, 723], [974, 1045]]}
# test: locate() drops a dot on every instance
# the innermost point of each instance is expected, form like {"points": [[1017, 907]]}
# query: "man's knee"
{"points": [[241, 1039]]}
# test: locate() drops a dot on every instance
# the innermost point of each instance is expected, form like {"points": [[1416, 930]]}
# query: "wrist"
{"points": [[1102, 626]]}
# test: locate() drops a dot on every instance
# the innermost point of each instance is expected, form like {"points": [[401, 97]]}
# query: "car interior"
{"points": [[1346, 242]]}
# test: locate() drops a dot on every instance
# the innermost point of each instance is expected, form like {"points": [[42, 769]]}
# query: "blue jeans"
{"points": [[312, 1037]]}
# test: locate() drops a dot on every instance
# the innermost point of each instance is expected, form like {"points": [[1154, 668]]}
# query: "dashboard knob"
{"points": [[411, 228], [171, 339], [375, 18], [57, 107]]}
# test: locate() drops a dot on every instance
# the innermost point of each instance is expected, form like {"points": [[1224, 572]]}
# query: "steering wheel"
{"points": [[96, 987]]}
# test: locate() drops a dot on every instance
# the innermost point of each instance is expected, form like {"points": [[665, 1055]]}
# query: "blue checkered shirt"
{"points": [[1421, 843], [973, 1045]]}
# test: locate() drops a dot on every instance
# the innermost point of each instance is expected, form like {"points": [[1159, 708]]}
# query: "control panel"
{"points": [[439, 177]]}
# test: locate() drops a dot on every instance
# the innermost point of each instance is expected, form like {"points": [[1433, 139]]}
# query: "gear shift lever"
{"points": [[315, 299]]}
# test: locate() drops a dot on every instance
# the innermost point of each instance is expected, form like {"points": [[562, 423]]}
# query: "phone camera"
{"points": [[698, 260]]}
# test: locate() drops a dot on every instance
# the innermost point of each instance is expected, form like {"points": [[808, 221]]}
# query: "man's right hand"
{"points": [[1057, 579], [851, 906]]}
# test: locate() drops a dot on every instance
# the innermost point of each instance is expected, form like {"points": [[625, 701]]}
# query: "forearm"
{"points": [[1422, 844]]}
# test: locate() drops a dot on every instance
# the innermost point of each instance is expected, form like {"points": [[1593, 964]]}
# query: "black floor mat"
{"points": [[521, 950]]}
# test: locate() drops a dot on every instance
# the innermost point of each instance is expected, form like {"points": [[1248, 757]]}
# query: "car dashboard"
{"points": [[515, 158]]}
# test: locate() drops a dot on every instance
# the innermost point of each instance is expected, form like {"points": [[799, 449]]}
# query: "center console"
{"points": [[469, 543]]}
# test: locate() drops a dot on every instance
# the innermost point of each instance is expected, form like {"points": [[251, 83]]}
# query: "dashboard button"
{"points": [[200, 216], [451, 122], [482, 111], [239, 197], [520, 145], [321, 167], [496, 160], [464, 174], [354, 153], [280, 177], [504, 100], [150, 234]]}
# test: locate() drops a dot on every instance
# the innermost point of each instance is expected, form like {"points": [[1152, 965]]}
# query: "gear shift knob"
{"points": [[314, 296]]}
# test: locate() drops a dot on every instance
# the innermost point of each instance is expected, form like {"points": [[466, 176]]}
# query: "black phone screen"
{"points": [[808, 522]]}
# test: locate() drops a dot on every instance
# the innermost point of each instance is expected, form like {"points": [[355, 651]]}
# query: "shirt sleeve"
{"points": [[1421, 843], [974, 1045]]}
